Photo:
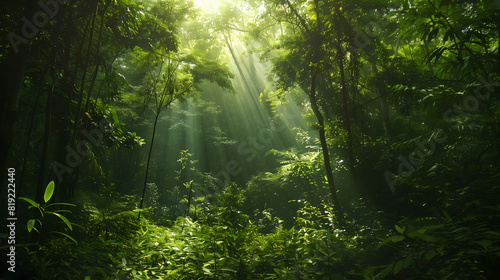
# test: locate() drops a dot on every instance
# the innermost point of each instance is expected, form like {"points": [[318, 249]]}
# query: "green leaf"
{"points": [[64, 219], [61, 211], [432, 34], [430, 254], [60, 203], [31, 225], [397, 238], [87, 277], [36, 205], [407, 261], [485, 243], [398, 266], [427, 238], [64, 234], [49, 191], [114, 115], [386, 271], [400, 230]]}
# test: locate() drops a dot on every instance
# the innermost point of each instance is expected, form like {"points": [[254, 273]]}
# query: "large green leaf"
{"points": [[64, 219], [30, 201], [385, 271], [398, 266], [114, 115], [397, 238], [61, 203], [49, 191], [31, 225], [400, 230]]}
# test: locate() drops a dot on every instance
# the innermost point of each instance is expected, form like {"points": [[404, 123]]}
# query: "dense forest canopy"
{"points": [[245, 139]]}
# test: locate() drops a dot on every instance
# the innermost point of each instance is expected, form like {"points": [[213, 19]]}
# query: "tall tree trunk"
{"points": [[149, 160], [190, 194], [11, 80], [99, 62], [78, 115], [324, 147], [384, 107], [347, 119], [51, 61], [42, 176], [28, 142], [316, 42]]}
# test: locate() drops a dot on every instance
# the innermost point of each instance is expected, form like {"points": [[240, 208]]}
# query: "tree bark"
{"points": [[324, 148], [384, 107], [316, 42], [149, 160], [78, 115], [11, 80], [347, 119], [189, 199], [44, 165]]}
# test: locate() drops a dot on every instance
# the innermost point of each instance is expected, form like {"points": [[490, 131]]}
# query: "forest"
{"points": [[250, 139]]}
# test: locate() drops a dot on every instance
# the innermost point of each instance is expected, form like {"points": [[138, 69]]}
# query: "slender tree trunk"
{"points": [[384, 107], [42, 176], [189, 198], [44, 166], [28, 141], [96, 70], [429, 64], [84, 74], [395, 52], [67, 187], [11, 80], [324, 148], [149, 160], [347, 119], [316, 42], [77, 55]]}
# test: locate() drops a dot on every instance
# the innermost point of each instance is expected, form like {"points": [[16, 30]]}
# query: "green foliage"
{"points": [[203, 68], [444, 249], [42, 209], [386, 78], [49, 191], [109, 214], [298, 176]]}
